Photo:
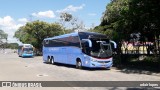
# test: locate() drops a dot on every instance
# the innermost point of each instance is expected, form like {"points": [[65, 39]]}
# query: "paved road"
{"points": [[14, 68]]}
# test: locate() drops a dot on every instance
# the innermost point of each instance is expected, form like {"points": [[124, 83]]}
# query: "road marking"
{"points": [[42, 75]]}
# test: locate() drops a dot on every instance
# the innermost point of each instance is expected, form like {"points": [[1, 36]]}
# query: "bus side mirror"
{"points": [[86, 43], [113, 45]]}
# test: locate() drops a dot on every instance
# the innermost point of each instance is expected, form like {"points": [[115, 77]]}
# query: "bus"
{"points": [[25, 50], [82, 49]]}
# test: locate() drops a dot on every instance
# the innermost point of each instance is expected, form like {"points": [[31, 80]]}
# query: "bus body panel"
{"points": [[67, 49], [67, 55]]}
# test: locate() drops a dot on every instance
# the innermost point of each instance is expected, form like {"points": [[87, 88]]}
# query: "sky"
{"points": [[16, 13]]}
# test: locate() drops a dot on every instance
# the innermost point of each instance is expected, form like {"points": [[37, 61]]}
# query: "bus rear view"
{"points": [[82, 49], [25, 50]]}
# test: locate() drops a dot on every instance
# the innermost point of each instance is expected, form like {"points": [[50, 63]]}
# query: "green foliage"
{"points": [[70, 22], [144, 17], [12, 45], [125, 17], [107, 31], [3, 35], [132, 16], [34, 32], [66, 17], [114, 22]]}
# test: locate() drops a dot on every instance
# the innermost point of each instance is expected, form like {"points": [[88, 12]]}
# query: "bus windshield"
{"points": [[28, 49], [100, 48]]}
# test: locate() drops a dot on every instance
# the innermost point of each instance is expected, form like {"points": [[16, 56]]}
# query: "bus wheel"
{"points": [[79, 64], [52, 61], [48, 60]]}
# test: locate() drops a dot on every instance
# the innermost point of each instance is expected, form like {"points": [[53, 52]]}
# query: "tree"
{"points": [[34, 32], [11, 45], [114, 21], [144, 14], [3, 36], [124, 17], [65, 17], [3, 39], [73, 23]]}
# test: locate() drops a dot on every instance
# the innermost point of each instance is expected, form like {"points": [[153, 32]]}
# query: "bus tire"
{"points": [[52, 60], [48, 60], [78, 64]]}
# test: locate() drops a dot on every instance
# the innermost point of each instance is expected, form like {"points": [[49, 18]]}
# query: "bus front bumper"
{"points": [[27, 55], [99, 63]]}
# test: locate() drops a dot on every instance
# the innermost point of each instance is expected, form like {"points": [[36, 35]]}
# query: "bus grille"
{"points": [[103, 61]]}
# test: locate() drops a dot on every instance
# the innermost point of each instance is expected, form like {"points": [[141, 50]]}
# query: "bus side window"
{"points": [[85, 47], [46, 41]]}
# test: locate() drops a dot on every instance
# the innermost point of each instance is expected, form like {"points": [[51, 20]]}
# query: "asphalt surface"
{"points": [[14, 68]]}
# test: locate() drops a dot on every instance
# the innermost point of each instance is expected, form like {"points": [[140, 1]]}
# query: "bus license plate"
{"points": [[103, 65]]}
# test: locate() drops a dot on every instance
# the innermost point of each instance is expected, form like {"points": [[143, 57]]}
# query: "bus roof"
{"points": [[25, 45], [77, 34], [64, 35]]}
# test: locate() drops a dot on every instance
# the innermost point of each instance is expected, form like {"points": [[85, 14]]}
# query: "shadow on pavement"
{"points": [[83, 68], [134, 70], [132, 88]]}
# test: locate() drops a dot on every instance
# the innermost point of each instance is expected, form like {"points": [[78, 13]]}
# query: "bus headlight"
{"points": [[86, 62], [94, 60]]}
